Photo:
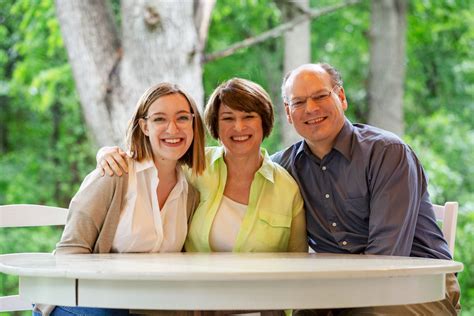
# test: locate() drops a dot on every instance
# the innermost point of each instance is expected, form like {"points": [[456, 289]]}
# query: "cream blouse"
{"points": [[143, 226]]}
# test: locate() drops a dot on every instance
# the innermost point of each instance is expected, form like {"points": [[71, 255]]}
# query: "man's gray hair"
{"points": [[333, 73]]}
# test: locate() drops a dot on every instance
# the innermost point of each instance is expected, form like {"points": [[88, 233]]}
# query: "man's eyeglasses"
{"points": [[181, 120], [318, 98]]}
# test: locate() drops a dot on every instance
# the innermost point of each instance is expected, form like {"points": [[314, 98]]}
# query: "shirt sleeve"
{"points": [[298, 239], [86, 215], [396, 183]]}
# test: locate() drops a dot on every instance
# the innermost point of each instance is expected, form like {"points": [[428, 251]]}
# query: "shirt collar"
{"points": [[216, 155], [343, 143], [144, 165], [148, 164], [266, 169], [301, 147]]}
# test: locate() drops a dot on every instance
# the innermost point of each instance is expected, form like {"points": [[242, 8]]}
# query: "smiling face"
{"points": [[169, 127], [240, 132], [318, 121]]}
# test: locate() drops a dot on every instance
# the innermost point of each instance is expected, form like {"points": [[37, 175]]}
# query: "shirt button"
{"points": [[344, 243], [334, 224], [323, 168], [326, 196]]}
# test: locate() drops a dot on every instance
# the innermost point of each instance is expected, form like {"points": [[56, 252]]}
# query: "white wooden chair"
{"points": [[27, 215], [447, 214]]}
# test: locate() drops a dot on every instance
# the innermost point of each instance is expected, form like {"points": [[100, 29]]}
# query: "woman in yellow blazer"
{"points": [[247, 202]]}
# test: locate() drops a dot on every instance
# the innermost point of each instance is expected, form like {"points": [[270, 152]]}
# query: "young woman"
{"points": [[146, 210]]}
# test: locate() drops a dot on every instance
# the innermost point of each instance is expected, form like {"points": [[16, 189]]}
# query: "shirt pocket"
{"points": [[272, 231]]}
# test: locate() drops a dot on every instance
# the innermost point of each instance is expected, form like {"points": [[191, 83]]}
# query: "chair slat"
{"points": [[447, 214], [28, 215]]}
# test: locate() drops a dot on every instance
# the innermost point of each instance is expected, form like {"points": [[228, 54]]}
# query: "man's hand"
{"points": [[112, 160]]}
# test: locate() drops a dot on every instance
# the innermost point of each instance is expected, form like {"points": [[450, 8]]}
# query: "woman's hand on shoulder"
{"points": [[112, 160]]}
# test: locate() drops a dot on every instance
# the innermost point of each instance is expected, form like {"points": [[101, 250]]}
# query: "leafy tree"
{"points": [[439, 111], [45, 150]]}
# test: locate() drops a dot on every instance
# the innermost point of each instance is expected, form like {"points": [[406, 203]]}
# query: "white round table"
{"points": [[220, 281]]}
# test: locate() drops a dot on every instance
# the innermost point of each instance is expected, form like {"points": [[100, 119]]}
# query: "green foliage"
{"points": [[445, 146], [441, 59], [44, 147], [464, 253], [234, 21], [45, 151], [439, 112]]}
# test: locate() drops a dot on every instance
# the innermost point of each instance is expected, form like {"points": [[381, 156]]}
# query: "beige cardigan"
{"points": [[93, 217]]}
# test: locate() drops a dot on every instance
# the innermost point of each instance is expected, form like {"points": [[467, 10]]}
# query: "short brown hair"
{"points": [[138, 143], [241, 95]]}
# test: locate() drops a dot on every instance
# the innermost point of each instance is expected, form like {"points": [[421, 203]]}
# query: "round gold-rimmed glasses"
{"points": [[319, 98], [181, 120]]}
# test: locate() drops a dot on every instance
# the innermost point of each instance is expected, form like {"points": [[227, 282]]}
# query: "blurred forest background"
{"points": [[47, 148]]}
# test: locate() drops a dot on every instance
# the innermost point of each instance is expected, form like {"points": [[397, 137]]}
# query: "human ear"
{"points": [[143, 126], [342, 96]]}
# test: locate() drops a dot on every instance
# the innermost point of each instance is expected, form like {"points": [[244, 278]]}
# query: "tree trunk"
{"points": [[160, 41], [387, 64], [297, 52]]}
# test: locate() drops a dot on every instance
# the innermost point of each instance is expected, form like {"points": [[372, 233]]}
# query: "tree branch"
{"points": [[277, 31]]}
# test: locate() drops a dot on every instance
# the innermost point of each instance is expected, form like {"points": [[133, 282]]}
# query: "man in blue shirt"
{"points": [[365, 191]]}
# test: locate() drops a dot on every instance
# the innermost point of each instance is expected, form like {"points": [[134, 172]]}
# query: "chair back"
{"points": [[27, 215], [447, 214]]}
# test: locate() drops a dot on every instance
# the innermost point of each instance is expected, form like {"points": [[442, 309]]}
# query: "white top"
{"points": [[143, 227], [226, 225]]}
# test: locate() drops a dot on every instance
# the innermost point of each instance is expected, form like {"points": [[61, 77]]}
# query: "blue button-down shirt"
{"points": [[368, 195]]}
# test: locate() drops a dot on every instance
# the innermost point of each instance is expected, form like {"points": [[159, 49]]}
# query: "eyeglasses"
{"points": [[182, 120], [318, 98]]}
